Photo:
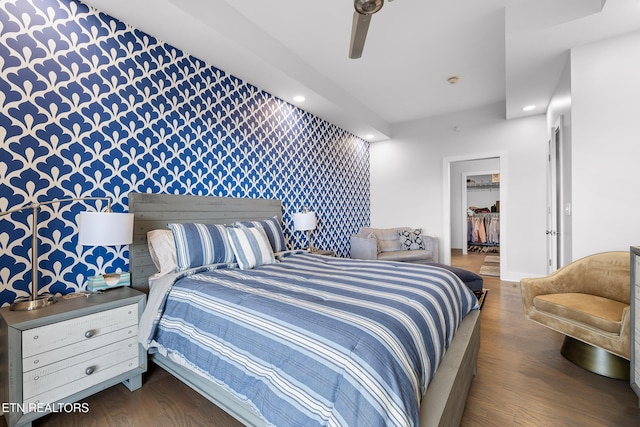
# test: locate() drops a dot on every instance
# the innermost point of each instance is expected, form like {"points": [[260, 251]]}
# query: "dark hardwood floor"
{"points": [[522, 380]]}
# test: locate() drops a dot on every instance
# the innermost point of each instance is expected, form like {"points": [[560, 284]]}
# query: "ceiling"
{"points": [[510, 51]]}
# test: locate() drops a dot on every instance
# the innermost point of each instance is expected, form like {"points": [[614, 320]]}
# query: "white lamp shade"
{"points": [[105, 228], [304, 221]]}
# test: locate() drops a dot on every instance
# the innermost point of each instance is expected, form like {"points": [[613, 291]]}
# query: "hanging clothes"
{"points": [[483, 228]]}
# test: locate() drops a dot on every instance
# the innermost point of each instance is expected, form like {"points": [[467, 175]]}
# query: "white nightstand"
{"points": [[57, 355]]}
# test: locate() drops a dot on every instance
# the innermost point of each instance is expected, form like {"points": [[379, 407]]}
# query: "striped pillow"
{"points": [[201, 244], [250, 246], [273, 229]]}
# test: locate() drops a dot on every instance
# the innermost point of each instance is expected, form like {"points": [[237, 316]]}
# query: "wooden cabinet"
{"points": [[62, 353], [635, 320]]}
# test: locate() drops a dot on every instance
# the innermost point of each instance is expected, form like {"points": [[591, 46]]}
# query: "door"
{"points": [[553, 201]]}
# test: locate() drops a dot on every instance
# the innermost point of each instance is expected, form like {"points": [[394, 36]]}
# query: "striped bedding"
{"points": [[315, 340]]}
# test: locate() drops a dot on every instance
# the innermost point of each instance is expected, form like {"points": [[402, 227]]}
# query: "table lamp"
{"points": [[107, 228], [305, 221]]}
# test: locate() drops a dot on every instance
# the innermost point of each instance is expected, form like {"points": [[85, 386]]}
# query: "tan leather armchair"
{"points": [[587, 301]]}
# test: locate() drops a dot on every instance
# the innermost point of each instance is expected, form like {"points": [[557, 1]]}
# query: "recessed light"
{"points": [[529, 108], [369, 136], [298, 98]]}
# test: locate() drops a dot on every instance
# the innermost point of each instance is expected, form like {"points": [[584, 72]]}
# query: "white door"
{"points": [[553, 193]]}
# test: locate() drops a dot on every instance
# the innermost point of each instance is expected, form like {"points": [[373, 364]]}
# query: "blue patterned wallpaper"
{"points": [[93, 107]]}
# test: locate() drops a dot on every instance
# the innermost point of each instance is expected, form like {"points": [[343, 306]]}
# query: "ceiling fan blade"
{"points": [[358, 34]]}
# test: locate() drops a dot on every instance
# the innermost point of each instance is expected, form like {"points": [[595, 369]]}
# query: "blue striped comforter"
{"points": [[314, 340]]}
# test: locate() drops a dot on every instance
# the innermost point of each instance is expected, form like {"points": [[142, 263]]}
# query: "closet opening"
{"points": [[456, 170], [481, 229]]}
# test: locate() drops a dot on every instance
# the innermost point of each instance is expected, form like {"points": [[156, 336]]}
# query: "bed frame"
{"points": [[442, 405]]}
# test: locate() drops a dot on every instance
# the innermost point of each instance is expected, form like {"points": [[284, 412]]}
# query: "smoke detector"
{"points": [[453, 79]]}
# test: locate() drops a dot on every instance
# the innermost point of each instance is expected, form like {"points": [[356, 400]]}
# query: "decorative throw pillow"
{"points": [[201, 244], [388, 239], [373, 236], [273, 229], [162, 248], [411, 239], [250, 246]]}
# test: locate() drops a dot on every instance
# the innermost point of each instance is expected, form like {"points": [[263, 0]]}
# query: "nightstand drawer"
{"points": [[87, 382], [85, 328], [57, 380], [63, 353]]}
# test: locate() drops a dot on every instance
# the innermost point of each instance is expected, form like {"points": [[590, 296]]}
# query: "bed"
{"points": [[316, 280]]}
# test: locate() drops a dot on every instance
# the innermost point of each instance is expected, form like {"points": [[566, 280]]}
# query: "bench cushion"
{"points": [[471, 279], [598, 312]]}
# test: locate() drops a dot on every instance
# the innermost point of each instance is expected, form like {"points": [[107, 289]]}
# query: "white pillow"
{"points": [[251, 246], [162, 247]]}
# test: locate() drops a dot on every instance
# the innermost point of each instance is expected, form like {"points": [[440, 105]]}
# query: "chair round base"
{"points": [[595, 359]]}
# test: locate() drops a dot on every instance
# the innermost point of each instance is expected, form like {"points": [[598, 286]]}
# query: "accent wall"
{"points": [[91, 107]]}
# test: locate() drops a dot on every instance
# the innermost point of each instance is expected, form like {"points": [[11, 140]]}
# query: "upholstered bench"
{"points": [[469, 278]]}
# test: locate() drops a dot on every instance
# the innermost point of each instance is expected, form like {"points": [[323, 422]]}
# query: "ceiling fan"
{"points": [[364, 9]]}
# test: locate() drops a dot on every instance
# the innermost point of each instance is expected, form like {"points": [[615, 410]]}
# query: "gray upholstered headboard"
{"points": [[154, 211]]}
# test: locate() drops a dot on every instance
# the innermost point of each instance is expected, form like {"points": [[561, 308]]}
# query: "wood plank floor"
{"points": [[522, 380]]}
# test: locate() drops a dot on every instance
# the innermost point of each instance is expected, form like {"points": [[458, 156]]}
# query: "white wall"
{"points": [[605, 96], [407, 178]]}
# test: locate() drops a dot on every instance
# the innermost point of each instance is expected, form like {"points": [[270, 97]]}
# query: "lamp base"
{"points": [[26, 304], [311, 249]]}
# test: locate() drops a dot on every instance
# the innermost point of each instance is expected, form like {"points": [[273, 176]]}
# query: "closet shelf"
{"points": [[483, 186]]}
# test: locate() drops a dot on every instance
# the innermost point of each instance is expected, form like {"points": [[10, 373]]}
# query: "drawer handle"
{"points": [[90, 370], [89, 333]]}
